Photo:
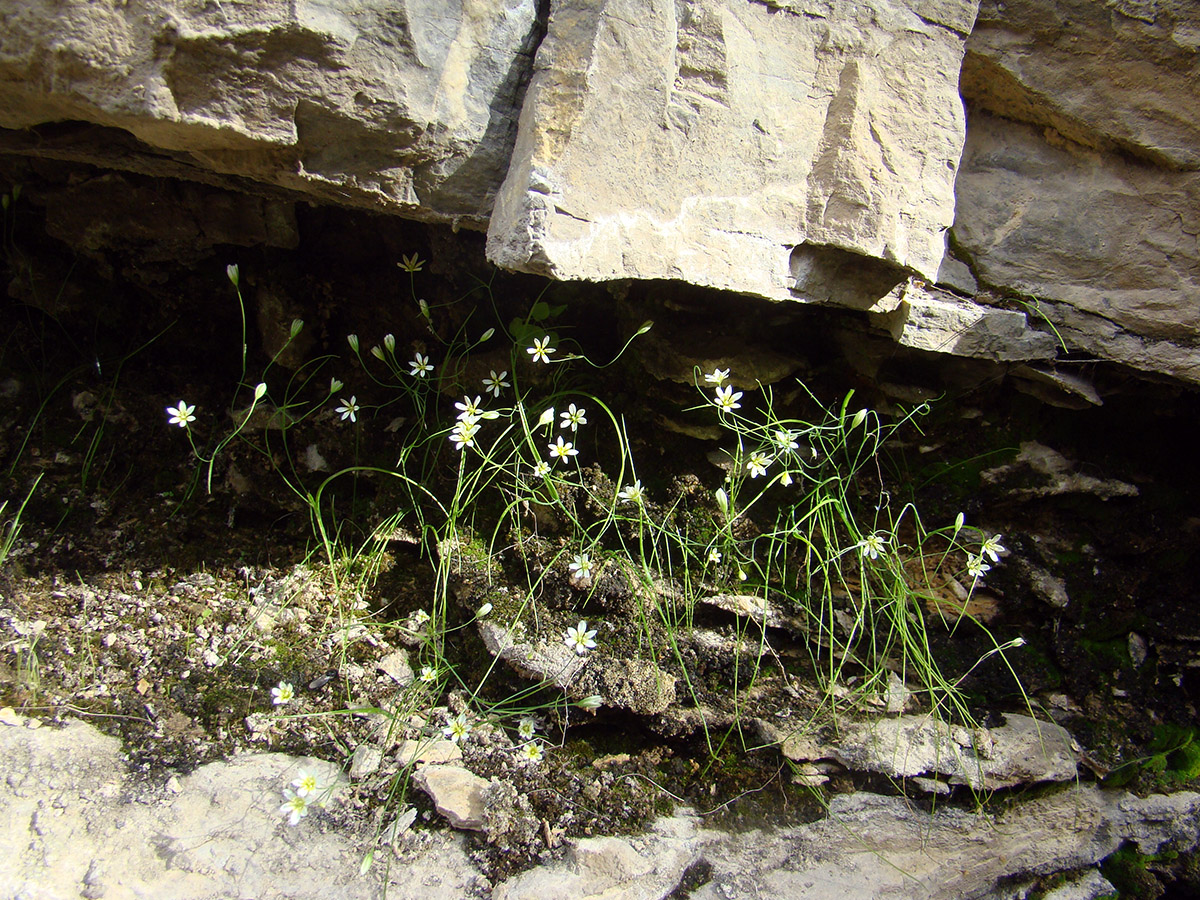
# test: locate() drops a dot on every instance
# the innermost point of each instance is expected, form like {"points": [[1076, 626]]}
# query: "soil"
{"points": [[163, 601]]}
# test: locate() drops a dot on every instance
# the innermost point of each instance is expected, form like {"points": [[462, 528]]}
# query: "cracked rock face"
{"points": [[408, 108], [764, 148], [815, 152]]}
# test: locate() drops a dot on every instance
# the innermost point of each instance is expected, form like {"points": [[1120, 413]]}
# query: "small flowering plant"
{"points": [[494, 384], [872, 545], [531, 753], [977, 568], [181, 415], [349, 409], [580, 638], [307, 784], [581, 570], [526, 727], [420, 366], [727, 399], [632, 493], [717, 377], [458, 729], [992, 548], [541, 350], [757, 464], [295, 806], [283, 693], [562, 450], [573, 417]]}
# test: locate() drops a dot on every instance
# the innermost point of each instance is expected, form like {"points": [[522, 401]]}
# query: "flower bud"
{"points": [[377, 352], [335, 385], [547, 418], [231, 272], [722, 499], [594, 701], [297, 327], [389, 341], [858, 419], [260, 390], [482, 612], [352, 340], [487, 335]]}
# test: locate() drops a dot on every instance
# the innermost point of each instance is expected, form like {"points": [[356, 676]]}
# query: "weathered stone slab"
{"points": [[769, 148], [1112, 75], [408, 108], [930, 319], [1114, 240], [457, 793], [1020, 751]]}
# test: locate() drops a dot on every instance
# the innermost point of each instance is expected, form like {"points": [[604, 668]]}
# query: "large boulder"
{"points": [[407, 107], [782, 149], [1080, 180]]}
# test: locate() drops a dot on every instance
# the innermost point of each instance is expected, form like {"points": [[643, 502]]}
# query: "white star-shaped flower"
{"points": [[541, 350], [181, 415], [727, 399], [579, 638], [563, 450], [494, 383], [349, 409], [420, 366]]}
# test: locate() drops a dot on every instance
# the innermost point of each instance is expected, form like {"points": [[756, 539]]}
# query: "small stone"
{"points": [[1138, 649], [457, 793], [396, 666], [610, 859], [9, 716], [366, 761], [173, 786], [420, 752]]}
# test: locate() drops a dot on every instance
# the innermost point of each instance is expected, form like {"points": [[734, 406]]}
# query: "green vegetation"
{"points": [[525, 497]]}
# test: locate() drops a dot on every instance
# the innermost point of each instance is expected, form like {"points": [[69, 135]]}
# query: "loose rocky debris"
{"points": [[71, 810]]}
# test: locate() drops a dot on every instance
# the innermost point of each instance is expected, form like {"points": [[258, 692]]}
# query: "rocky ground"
{"points": [[177, 651]]}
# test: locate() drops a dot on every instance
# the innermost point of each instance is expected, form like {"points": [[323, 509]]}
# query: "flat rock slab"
{"points": [[1022, 750], [457, 793], [73, 822]]}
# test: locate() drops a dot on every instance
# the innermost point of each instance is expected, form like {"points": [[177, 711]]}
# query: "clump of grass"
{"points": [[526, 485]]}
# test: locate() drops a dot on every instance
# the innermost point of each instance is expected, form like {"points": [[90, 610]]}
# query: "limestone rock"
{"points": [[930, 319], [1130, 267], [457, 793], [1091, 885], [1020, 751], [415, 752], [1055, 472], [604, 867], [873, 846], [221, 835], [407, 108], [365, 761], [1110, 92], [396, 667], [634, 684], [1117, 75], [774, 149]]}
